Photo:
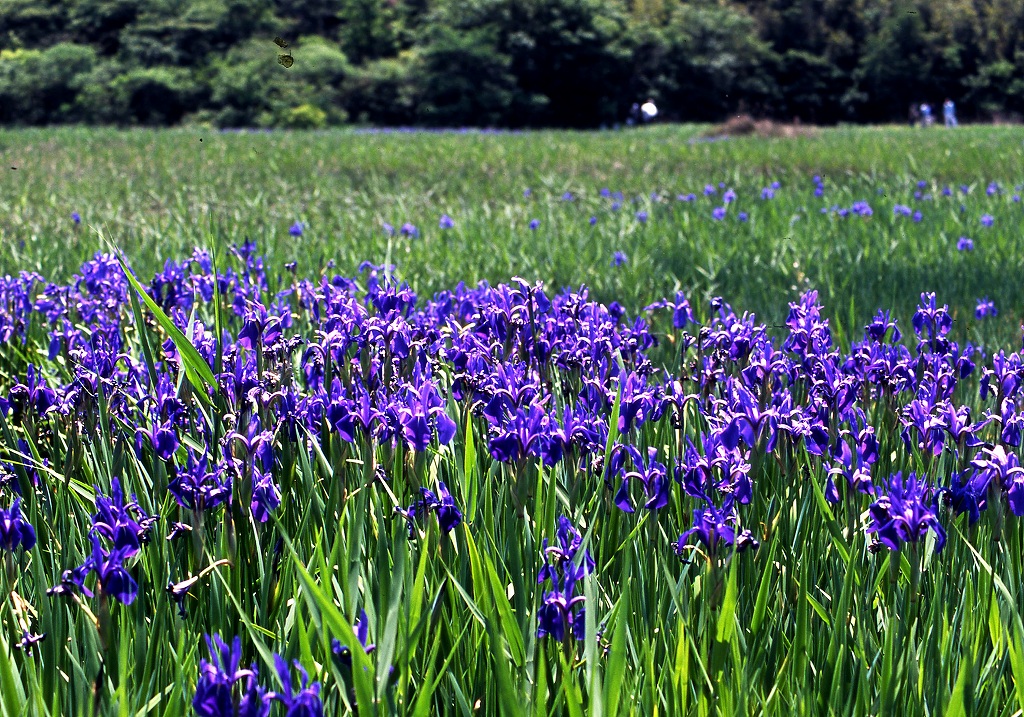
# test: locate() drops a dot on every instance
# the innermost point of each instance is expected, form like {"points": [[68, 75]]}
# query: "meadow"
{"points": [[283, 455]]}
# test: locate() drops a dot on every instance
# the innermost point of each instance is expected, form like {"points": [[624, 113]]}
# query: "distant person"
{"points": [[926, 114], [648, 111], [949, 113], [914, 115]]}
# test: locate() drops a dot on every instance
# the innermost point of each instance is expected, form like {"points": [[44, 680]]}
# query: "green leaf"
{"points": [[727, 617], [198, 372], [830, 521], [761, 602], [616, 671], [509, 626]]}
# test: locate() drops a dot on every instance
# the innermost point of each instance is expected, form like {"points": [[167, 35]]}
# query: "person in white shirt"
{"points": [[648, 111]]}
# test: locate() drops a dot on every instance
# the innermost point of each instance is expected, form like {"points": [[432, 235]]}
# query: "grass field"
{"points": [[158, 194], [508, 499]]}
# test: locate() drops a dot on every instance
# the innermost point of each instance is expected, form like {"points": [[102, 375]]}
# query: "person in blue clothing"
{"points": [[949, 113]]}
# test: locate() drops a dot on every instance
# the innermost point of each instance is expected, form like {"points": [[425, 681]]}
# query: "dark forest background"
{"points": [[509, 63]]}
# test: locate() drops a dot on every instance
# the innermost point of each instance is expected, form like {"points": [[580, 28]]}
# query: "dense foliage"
{"points": [[579, 63]]}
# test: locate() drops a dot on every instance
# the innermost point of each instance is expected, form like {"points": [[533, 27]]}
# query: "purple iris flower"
{"points": [[76, 217], [593, 221], [224, 688], [718, 213], [197, 488], [905, 514], [880, 325], [641, 217], [716, 528], [619, 258], [650, 473], [442, 505], [1001, 468], [296, 229], [125, 525], [708, 190], [446, 222], [361, 627], [15, 531], [409, 230], [932, 323], [534, 223], [302, 702], [561, 609], [987, 220], [742, 216], [729, 196], [965, 244], [985, 307]]}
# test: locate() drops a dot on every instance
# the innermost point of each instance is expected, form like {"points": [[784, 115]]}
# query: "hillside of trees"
{"points": [[503, 63]]}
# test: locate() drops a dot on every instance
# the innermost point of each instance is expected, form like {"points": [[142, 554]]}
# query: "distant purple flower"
{"points": [[947, 191], [446, 222], [409, 230], [708, 190], [687, 197], [742, 216], [767, 193], [76, 217], [534, 223], [641, 217], [619, 258], [917, 217], [389, 229], [985, 307], [296, 229], [15, 531], [903, 209], [964, 189], [965, 244], [987, 220], [1016, 197], [905, 514], [992, 189], [616, 206], [593, 221], [729, 196], [527, 193], [718, 213], [567, 197]]}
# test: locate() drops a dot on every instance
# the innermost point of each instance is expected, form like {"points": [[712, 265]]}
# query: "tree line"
{"points": [[503, 63]]}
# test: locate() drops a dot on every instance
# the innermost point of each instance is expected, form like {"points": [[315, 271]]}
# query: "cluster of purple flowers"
{"points": [[227, 689], [562, 611], [363, 363]]}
